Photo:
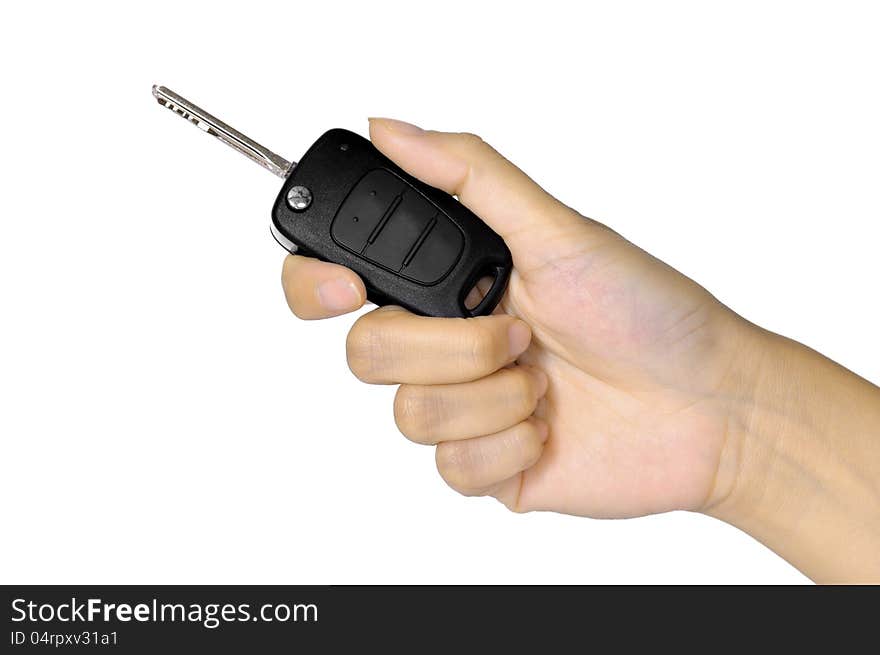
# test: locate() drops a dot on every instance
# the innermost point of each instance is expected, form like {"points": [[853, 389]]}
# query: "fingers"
{"points": [[316, 289], [451, 412], [526, 216], [484, 465], [390, 345]]}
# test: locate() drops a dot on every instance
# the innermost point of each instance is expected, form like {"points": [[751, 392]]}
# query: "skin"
{"points": [[607, 384]]}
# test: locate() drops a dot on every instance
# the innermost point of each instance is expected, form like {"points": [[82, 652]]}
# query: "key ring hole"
{"points": [[487, 297], [475, 296]]}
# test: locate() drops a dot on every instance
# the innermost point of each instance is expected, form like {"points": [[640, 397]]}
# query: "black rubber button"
{"points": [[437, 254], [400, 231], [364, 208], [388, 222]]}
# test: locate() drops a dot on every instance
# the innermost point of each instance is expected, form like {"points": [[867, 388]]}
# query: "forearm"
{"points": [[802, 461]]}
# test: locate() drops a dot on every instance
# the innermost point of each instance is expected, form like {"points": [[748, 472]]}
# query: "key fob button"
{"points": [[364, 207], [439, 251], [401, 227], [388, 222]]}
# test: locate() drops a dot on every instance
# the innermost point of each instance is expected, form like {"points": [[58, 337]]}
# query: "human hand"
{"points": [[618, 405]]}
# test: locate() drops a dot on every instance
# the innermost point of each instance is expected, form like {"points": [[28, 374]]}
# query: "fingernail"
{"points": [[338, 295], [400, 127], [518, 337]]}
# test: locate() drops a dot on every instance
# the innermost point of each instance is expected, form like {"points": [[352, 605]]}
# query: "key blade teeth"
{"points": [[217, 128], [163, 100]]}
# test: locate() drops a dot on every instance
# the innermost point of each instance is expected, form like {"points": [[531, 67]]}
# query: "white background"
{"points": [[165, 419]]}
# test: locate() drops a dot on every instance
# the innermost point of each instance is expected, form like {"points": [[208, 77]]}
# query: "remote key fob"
{"points": [[412, 244], [345, 202]]}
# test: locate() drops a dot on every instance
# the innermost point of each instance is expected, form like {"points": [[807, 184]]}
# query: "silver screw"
{"points": [[299, 198]]}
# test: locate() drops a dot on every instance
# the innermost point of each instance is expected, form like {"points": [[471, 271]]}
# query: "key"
{"points": [[345, 202]]}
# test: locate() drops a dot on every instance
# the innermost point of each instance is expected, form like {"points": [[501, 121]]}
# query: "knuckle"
{"points": [[530, 445], [484, 348], [455, 466], [415, 413], [366, 352], [470, 140], [523, 392]]}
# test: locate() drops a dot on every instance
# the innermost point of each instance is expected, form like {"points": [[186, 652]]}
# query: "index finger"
{"points": [[318, 289]]}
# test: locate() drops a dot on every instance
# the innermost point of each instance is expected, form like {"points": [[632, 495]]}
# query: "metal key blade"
{"points": [[228, 135]]}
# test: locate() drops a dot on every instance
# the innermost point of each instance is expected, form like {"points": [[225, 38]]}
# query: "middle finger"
{"points": [[391, 345]]}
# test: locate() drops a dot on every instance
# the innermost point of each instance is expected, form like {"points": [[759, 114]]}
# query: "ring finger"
{"points": [[475, 467]]}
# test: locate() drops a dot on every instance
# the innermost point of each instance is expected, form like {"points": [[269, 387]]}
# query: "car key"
{"points": [[345, 202]]}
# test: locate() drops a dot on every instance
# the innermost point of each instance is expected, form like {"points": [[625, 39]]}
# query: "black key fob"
{"points": [[413, 245]]}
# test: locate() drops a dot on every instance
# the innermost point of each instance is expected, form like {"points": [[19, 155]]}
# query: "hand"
{"points": [[609, 385], [620, 403]]}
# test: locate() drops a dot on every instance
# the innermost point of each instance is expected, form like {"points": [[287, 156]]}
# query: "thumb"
{"points": [[536, 227]]}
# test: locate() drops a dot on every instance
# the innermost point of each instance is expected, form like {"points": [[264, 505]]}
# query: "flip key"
{"points": [[345, 202]]}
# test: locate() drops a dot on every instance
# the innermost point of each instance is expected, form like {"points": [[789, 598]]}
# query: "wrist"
{"points": [[799, 467]]}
